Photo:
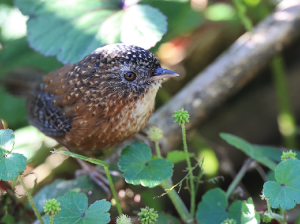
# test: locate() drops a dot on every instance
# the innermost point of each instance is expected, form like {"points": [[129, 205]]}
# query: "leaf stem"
{"points": [[37, 214], [51, 219], [238, 177], [178, 203], [113, 190], [286, 118], [188, 161], [269, 207], [157, 149], [176, 200], [241, 11], [284, 217]]}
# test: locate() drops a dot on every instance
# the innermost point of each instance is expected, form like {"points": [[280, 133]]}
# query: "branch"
{"points": [[228, 74]]}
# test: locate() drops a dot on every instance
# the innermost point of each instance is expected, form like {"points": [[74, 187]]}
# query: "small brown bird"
{"points": [[100, 101]]}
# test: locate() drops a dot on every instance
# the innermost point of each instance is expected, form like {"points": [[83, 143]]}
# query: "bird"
{"points": [[98, 102]]}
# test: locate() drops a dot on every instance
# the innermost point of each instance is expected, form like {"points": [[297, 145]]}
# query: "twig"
{"points": [[238, 177]]}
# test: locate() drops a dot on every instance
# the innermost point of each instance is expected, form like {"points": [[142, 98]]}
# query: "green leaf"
{"points": [[134, 162], [7, 140], [74, 209], [143, 25], [8, 219], [84, 158], [60, 187], [285, 191], [72, 29], [166, 218], [249, 150], [214, 208], [177, 156], [11, 165], [249, 215]]}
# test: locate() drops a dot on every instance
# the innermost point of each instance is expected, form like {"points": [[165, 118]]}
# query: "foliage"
{"points": [[11, 164], [285, 191], [60, 187], [249, 215], [214, 208], [94, 25], [69, 30], [138, 169], [249, 149], [75, 209]]}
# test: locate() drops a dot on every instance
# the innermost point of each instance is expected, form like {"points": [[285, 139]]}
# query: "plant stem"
{"points": [[241, 11], [51, 219], [178, 203], [269, 207], [176, 200], [188, 161], [286, 118], [238, 177], [37, 214], [284, 217], [157, 149], [113, 190]]}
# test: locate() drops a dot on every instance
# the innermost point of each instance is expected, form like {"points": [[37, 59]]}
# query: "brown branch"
{"points": [[229, 73]]}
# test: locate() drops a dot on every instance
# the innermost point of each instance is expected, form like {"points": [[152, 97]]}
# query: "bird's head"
{"points": [[125, 70]]}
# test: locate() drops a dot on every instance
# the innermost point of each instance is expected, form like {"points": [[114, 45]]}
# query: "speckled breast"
{"points": [[119, 122]]}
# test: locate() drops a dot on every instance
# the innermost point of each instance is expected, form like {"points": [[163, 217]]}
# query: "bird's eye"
{"points": [[130, 76]]}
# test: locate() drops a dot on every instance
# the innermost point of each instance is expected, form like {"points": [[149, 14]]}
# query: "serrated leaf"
{"points": [[285, 191], [177, 156], [60, 187], [74, 209], [143, 25], [134, 162], [214, 208], [72, 29], [11, 165], [7, 140], [249, 150], [249, 215]]}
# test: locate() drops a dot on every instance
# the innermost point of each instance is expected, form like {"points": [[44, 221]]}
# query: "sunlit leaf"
{"points": [[249, 215], [71, 29]]}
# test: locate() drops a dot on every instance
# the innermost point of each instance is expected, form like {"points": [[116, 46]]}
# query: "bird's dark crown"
{"points": [[109, 65]]}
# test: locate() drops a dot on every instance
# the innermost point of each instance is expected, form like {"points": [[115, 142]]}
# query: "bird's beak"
{"points": [[161, 73]]}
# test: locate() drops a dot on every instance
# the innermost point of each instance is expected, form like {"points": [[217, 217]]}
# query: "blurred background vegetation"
{"points": [[198, 32]]}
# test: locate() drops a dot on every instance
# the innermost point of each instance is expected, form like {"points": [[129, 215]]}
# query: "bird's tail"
{"points": [[21, 81]]}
